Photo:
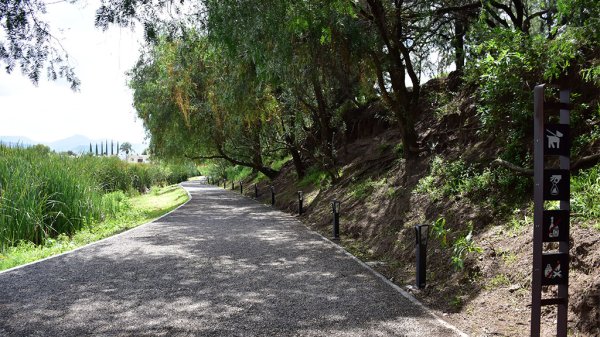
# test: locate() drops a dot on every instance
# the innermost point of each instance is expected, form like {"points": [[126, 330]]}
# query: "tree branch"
{"points": [[520, 170], [506, 10], [586, 162], [381, 80], [578, 164], [453, 9]]}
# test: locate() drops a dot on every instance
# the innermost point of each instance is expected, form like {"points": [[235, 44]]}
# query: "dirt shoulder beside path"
{"points": [[221, 265]]}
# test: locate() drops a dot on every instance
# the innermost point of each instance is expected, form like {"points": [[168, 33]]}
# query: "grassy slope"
{"points": [[141, 209], [485, 260], [382, 199]]}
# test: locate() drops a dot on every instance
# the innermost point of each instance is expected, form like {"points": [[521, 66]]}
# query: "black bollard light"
{"points": [[232, 185], [255, 191], [241, 188], [300, 201], [422, 235], [335, 205], [224, 183], [208, 180], [272, 195]]}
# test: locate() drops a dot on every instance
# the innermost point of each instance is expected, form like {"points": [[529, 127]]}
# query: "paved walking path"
{"points": [[221, 265]]}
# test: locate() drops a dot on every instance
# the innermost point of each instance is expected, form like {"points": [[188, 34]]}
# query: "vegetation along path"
{"points": [[221, 265]]}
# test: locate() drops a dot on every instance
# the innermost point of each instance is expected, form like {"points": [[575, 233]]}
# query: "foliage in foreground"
{"points": [[43, 194], [128, 212]]}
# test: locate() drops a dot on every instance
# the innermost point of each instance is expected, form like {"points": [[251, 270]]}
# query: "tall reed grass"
{"points": [[43, 194]]}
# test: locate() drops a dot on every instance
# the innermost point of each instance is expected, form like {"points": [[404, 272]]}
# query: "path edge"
{"points": [[107, 238], [394, 286]]}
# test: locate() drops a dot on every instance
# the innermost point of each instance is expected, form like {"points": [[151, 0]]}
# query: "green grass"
{"points": [[129, 213], [498, 281], [478, 183], [365, 188], [44, 194], [585, 193], [278, 164], [315, 177], [237, 173]]}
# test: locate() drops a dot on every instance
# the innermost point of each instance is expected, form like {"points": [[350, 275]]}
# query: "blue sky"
{"points": [[102, 109]]}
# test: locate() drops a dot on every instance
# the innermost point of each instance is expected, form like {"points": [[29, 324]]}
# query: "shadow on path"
{"points": [[222, 265]]}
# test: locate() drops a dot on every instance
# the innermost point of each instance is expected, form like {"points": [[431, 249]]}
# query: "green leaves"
{"points": [[27, 43]]}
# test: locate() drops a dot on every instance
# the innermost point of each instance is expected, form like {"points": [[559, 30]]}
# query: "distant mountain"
{"points": [[76, 143], [14, 140]]}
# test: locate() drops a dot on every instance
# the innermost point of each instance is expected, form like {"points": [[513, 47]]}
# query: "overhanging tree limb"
{"points": [[518, 169], [577, 165]]}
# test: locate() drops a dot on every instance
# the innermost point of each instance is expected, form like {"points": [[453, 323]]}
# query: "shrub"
{"points": [[585, 193], [316, 177]]}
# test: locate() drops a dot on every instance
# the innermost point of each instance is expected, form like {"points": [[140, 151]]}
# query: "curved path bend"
{"points": [[221, 265]]}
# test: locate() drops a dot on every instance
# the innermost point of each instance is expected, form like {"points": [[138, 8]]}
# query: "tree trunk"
{"points": [[298, 163], [459, 44], [325, 131]]}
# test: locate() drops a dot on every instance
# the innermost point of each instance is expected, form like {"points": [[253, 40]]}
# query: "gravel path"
{"points": [[221, 265]]}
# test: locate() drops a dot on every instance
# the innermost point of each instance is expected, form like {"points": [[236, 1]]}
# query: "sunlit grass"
{"points": [[44, 194], [133, 212]]}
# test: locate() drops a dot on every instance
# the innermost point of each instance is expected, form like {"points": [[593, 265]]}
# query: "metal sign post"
{"points": [[551, 268]]}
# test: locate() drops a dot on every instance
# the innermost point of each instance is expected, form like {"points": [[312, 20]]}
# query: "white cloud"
{"points": [[102, 108]]}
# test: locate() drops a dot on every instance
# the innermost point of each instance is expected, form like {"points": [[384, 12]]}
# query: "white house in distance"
{"points": [[138, 158]]}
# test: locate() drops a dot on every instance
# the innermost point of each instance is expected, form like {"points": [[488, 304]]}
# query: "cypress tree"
{"points": [[90, 148], [96, 149], [112, 148]]}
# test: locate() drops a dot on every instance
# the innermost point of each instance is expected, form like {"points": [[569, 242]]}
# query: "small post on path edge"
{"points": [[422, 235], [300, 200], [335, 205], [272, 195]]}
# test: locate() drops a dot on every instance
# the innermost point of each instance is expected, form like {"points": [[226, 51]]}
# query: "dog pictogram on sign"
{"points": [[556, 140]]}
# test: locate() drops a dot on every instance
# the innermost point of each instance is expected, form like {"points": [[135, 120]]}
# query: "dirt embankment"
{"points": [[383, 197]]}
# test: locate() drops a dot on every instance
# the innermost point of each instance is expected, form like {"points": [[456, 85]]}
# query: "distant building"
{"points": [[138, 158]]}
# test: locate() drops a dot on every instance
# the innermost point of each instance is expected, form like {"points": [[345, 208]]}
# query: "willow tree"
{"points": [[27, 42], [303, 55], [195, 106]]}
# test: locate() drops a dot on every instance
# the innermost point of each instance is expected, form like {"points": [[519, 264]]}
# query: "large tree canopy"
{"points": [[250, 81], [301, 66]]}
